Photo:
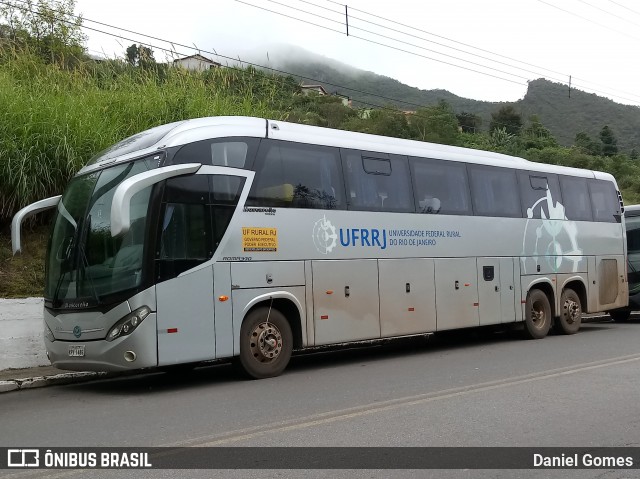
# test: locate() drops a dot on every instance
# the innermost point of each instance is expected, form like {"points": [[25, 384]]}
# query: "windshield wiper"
{"points": [[55, 298]]}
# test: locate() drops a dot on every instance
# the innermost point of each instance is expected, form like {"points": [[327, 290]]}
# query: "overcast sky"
{"points": [[509, 41]]}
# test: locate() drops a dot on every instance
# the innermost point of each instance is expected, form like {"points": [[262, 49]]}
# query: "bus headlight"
{"points": [[129, 323], [48, 334]]}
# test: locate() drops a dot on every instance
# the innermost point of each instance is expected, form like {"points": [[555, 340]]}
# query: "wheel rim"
{"points": [[538, 314], [571, 311], [266, 342]]}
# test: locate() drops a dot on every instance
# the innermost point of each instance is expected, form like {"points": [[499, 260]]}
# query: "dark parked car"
{"points": [[632, 224]]}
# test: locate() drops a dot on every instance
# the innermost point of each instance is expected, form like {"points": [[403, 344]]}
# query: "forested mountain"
{"points": [[563, 114]]}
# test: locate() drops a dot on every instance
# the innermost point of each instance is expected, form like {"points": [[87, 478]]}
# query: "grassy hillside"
{"points": [[53, 120]]}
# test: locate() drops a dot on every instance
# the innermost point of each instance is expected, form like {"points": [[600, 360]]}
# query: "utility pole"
{"points": [[346, 18]]}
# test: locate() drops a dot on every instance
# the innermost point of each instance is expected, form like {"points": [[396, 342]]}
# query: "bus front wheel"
{"points": [[266, 343], [537, 315], [570, 317]]}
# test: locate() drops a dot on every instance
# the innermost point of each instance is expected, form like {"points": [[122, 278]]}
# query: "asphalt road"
{"points": [[475, 388]]}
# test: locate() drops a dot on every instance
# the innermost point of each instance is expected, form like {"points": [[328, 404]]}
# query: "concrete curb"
{"points": [[42, 381]]}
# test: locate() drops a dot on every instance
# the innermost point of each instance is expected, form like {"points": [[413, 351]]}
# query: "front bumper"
{"points": [[102, 355]]}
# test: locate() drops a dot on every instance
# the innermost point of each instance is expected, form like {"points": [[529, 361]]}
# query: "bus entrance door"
{"points": [[186, 334]]}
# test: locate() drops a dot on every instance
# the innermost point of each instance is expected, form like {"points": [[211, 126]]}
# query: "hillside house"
{"points": [[195, 62], [318, 89]]}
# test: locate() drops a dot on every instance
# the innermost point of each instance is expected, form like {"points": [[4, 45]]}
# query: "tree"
{"points": [[536, 135], [587, 145], [500, 139], [49, 29], [388, 122], [507, 118], [140, 56], [469, 122], [609, 141], [437, 124]]}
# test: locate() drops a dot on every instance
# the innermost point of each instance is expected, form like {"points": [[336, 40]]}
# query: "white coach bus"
{"points": [[243, 237]]}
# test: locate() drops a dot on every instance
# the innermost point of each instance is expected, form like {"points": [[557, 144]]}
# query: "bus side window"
{"points": [[575, 194], [377, 181], [297, 175], [440, 186], [230, 152], [604, 201], [494, 191], [540, 194]]}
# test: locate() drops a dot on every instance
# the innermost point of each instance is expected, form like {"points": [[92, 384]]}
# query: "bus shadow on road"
{"points": [[202, 375], [161, 381]]}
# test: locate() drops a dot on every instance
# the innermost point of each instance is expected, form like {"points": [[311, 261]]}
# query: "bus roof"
{"points": [[223, 126]]}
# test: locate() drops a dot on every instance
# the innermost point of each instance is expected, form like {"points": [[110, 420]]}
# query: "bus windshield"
{"points": [[84, 262]]}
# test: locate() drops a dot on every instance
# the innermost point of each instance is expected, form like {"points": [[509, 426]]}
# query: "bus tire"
{"points": [[266, 342], [620, 316], [570, 317], [537, 321]]}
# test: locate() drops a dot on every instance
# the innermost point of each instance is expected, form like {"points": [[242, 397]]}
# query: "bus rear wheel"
{"points": [[570, 317], [266, 343], [537, 315]]}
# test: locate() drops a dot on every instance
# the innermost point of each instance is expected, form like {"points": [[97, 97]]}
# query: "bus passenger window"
{"points": [[229, 153], [575, 194], [377, 181], [540, 194], [237, 152], [440, 186], [494, 191], [294, 175], [604, 201]]}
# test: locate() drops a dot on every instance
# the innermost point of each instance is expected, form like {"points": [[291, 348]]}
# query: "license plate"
{"points": [[76, 351]]}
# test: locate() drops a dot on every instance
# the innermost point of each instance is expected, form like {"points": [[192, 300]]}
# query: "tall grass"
{"points": [[53, 120]]}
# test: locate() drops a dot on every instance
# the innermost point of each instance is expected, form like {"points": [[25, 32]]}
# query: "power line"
{"points": [[396, 48], [609, 13], [608, 94], [486, 51], [395, 39], [445, 38], [603, 26], [623, 6], [352, 17], [589, 20]]}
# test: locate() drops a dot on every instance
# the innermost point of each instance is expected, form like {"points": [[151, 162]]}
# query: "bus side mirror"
{"points": [[121, 203], [24, 213]]}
